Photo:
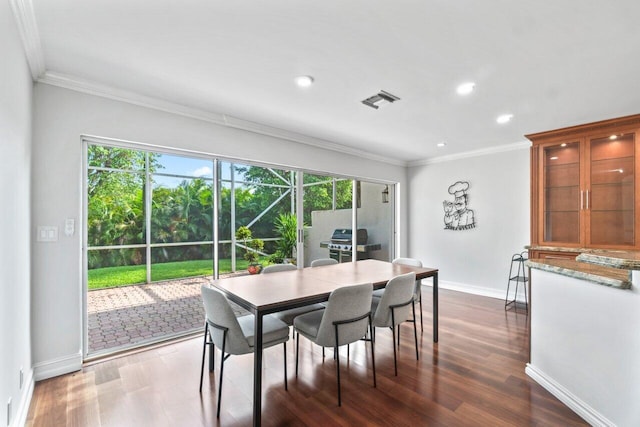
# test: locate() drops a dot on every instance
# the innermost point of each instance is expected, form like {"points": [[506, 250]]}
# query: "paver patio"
{"points": [[126, 316]]}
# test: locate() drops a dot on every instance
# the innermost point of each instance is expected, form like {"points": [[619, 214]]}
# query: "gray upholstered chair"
{"points": [[323, 261], [417, 293], [274, 268], [235, 335], [393, 309], [287, 316], [346, 319]]}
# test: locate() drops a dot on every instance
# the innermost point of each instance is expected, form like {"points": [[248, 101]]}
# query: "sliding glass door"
{"points": [[160, 224]]}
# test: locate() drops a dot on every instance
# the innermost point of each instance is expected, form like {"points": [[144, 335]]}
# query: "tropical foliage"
{"points": [[183, 211], [287, 228], [252, 247]]}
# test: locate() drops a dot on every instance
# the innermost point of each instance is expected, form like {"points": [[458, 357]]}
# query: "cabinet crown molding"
{"points": [[585, 129]]}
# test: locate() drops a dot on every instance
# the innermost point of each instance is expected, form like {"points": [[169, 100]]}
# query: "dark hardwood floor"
{"points": [[473, 377]]}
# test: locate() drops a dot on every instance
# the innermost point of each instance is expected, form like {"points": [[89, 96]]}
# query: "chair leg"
{"points": [[297, 350], [421, 324], [285, 365], [393, 329], [224, 342], [373, 357], [415, 331], [338, 366], [212, 354], [204, 350]]}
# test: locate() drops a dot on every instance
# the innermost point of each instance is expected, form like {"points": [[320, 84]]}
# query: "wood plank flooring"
{"points": [[473, 377]]}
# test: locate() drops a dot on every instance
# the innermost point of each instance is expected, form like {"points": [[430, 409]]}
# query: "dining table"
{"points": [[263, 294]]}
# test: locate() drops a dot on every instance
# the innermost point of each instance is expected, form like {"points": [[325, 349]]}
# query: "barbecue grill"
{"points": [[341, 244]]}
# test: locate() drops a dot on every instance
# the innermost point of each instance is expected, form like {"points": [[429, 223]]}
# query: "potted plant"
{"points": [[252, 247]]}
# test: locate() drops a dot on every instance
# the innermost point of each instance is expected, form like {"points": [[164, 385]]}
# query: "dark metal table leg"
{"points": [[257, 371], [435, 307]]}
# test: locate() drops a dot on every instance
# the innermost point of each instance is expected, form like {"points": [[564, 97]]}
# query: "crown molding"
{"points": [[28, 29], [474, 153], [308, 140], [103, 91], [91, 88]]}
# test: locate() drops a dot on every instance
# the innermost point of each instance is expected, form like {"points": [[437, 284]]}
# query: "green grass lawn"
{"points": [[109, 277]]}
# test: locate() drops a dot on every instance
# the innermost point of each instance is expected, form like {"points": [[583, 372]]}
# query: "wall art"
{"points": [[457, 215]]}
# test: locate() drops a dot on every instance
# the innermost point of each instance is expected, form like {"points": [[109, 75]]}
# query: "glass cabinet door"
{"points": [[610, 198], [562, 198]]}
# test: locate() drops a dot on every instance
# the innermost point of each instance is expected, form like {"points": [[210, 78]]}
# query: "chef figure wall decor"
{"points": [[457, 216]]}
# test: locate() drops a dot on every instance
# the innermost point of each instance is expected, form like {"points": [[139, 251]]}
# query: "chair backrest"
{"points": [[219, 312], [323, 261], [414, 263], [399, 290], [345, 303], [278, 267], [408, 261]]}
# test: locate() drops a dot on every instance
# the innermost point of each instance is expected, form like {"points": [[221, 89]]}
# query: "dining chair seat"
{"points": [[287, 316], [272, 330]]}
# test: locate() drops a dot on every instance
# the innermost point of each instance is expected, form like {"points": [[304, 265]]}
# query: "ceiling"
{"points": [[550, 64]]}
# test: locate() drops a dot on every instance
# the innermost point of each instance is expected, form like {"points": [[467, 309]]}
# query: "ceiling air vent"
{"points": [[380, 99]]}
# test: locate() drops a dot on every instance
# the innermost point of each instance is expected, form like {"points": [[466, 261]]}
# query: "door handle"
{"points": [[581, 200], [587, 204]]}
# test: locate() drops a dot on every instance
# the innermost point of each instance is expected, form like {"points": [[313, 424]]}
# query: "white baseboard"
{"points": [[60, 366], [574, 403], [20, 417], [471, 289]]}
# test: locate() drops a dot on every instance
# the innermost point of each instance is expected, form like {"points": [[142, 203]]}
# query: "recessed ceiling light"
{"points": [[466, 88], [505, 118], [564, 144], [612, 137], [304, 81], [441, 144]]}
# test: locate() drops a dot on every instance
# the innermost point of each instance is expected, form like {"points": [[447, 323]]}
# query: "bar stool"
{"points": [[517, 274]]}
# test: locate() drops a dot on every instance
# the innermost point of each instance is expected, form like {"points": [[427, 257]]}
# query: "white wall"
{"points": [[61, 116], [585, 347], [15, 167], [475, 260]]}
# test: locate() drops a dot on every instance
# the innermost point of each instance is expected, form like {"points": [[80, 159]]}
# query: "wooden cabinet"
{"points": [[550, 254], [585, 186]]}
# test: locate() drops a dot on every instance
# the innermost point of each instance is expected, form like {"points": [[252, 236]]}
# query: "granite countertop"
{"points": [[555, 248], [626, 260], [599, 273], [607, 253]]}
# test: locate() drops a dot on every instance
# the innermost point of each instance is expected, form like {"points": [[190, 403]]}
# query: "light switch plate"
{"points": [[47, 233], [69, 226]]}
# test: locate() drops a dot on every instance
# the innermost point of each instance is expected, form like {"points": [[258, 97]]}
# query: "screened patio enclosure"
{"points": [[165, 218]]}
